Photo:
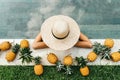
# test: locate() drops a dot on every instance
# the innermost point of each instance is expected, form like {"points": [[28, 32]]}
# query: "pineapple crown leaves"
{"points": [[68, 70], [97, 48], [37, 60], [81, 61], [25, 55], [105, 53], [119, 50], [102, 50], [16, 48], [59, 66]]}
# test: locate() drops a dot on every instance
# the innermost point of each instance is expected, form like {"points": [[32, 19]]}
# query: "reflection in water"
{"points": [[83, 11], [27, 16]]}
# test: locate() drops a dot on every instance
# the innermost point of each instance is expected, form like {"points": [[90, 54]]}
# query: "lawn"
{"points": [[50, 73]]}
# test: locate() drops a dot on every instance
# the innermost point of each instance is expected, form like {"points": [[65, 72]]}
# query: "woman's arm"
{"points": [[84, 42], [38, 43]]}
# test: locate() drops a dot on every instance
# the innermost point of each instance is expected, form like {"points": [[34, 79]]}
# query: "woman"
{"points": [[83, 42], [60, 33]]}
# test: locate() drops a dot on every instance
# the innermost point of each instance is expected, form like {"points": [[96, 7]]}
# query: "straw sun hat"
{"points": [[60, 32]]}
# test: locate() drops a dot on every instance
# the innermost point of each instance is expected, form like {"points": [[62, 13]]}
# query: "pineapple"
{"points": [[52, 58], [100, 50], [5, 46], [10, 56], [38, 68], [109, 43], [66, 66], [68, 60], [24, 43], [84, 70], [61, 67], [115, 56], [92, 56], [25, 55]]}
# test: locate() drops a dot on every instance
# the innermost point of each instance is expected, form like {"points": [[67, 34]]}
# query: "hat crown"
{"points": [[52, 35], [60, 29]]}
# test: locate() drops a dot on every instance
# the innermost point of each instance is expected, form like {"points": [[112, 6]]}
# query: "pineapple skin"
{"points": [[109, 43], [92, 56], [115, 56], [5, 46], [10, 56], [52, 58], [84, 71], [24, 43], [68, 60], [38, 69]]}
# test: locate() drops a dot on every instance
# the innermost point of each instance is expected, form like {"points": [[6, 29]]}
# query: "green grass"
{"points": [[50, 73]]}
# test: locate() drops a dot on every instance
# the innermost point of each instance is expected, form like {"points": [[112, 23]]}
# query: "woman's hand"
{"points": [[83, 42], [38, 43]]}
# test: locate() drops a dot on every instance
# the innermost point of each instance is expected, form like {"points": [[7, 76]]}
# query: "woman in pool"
{"points": [[61, 33]]}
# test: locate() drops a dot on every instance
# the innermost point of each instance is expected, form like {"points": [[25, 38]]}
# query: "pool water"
{"points": [[98, 19]]}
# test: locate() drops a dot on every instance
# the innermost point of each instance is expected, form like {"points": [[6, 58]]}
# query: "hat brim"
{"points": [[60, 44]]}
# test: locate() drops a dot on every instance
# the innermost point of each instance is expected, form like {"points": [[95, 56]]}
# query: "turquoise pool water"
{"points": [[98, 19]]}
